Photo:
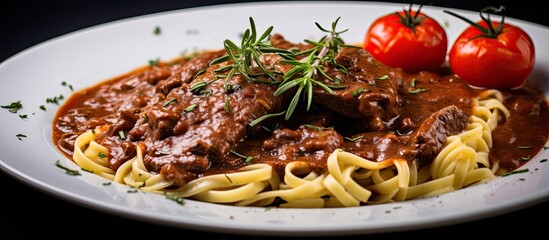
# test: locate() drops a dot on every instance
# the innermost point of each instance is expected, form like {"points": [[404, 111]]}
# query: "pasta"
{"points": [[349, 181]]}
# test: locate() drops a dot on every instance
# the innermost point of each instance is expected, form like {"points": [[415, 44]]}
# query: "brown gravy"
{"points": [[515, 141]]}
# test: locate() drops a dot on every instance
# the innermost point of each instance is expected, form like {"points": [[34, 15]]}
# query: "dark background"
{"points": [[26, 211]]}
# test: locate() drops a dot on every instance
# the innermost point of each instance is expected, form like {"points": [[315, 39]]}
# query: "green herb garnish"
{"points": [[308, 68], [266, 116], [191, 107], [180, 200], [200, 72], [13, 107], [227, 106], [358, 92], [67, 85], [55, 100], [413, 89], [354, 139], [67, 170], [515, 172], [121, 134], [248, 159], [383, 77], [20, 136], [249, 52], [169, 102], [417, 90], [157, 30], [154, 62]]}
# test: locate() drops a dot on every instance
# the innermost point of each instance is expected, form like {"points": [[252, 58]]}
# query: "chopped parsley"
{"points": [[55, 100], [515, 172], [101, 155], [121, 134], [383, 77], [358, 92], [177, 199], [354, 139], [413, 90], [157, 30], [154, 62], [67, 170], [248, 159], [67, 85], [227, 105], [20, 136], [14, 106]]}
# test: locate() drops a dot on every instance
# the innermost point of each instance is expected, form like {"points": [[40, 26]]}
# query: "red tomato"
{"points": [[498, 59], [407, 39]]}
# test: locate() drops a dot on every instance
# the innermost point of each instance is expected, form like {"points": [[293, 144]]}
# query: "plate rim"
{"points": [[80, 200]]}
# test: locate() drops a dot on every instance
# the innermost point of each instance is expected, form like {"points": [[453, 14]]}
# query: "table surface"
{"points": [[24, 208]]}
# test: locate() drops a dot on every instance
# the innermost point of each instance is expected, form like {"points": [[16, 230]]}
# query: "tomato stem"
{"points": [[409, 20], [489, 32]]}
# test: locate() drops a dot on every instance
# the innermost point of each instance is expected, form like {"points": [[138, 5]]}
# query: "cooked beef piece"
{"points": [[188, 71], [196, 126], [433, 132], [422, 143], [371, 89], [278, 41], [310, 143], [288, 144]]}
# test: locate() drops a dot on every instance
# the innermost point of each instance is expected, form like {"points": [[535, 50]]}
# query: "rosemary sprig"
{"points": [[249, 54], [306, 65], [323, 53]]}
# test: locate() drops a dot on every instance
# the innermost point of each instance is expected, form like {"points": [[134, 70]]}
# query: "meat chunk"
{"points": [[201, 121], [188, 71], [370, 93], [433, 132], [423, 142], [307, 140]]}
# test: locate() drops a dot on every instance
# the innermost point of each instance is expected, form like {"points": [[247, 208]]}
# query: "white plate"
{"points": [[91, 55]]}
